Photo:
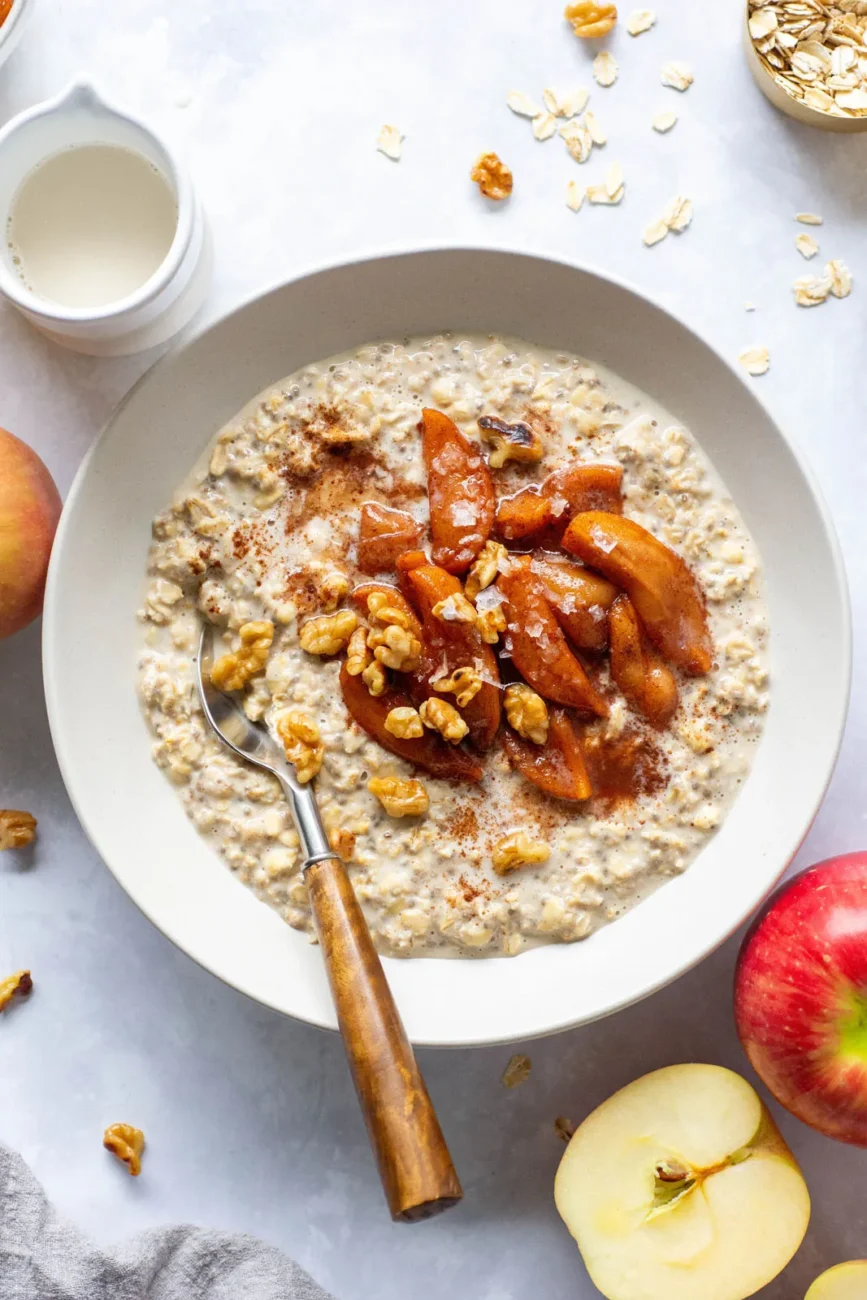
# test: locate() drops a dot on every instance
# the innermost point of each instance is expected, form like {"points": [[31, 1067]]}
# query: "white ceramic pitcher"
{"points": [[176, 290]]}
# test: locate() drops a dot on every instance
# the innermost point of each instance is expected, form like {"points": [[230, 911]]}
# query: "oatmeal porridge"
{"points": [[502, 609]]}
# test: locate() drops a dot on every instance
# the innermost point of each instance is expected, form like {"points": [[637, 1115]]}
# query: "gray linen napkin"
{"points": [[44, 1258]]}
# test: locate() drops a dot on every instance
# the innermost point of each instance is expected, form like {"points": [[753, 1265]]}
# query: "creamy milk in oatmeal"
{"points": [[266, 532]]}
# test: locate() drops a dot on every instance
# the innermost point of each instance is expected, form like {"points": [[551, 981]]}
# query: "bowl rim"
{"points": [[544, 1028]]}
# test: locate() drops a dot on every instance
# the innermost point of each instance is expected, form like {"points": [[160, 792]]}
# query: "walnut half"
{"points": [[17, 829], [302, 743], [527, 713], [439, 715], [127, 1143], [591, 18], [518, 442], [492, 176], [233, 671], [518, 850], [399, 798]]}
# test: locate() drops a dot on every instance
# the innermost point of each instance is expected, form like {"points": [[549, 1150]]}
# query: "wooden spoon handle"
{"points": [[416, 1169]]}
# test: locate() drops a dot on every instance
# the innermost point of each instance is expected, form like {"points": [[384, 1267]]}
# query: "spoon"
{"points": [[417, 1173]]}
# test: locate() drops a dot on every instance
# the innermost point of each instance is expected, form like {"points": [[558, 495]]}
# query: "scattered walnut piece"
{"points": [[385, 613], [527, 713], [374, 678], [564, 1128], [464, 684], [518, 442], [517, 1071], [343, 843], [328, 634], [591, 19], [404, 723], [454, 609], [492, 176], [399, 798], [491, 623], [485, 568], [17, 985], [127, 1143], [439, 715], [17, 829], [518, 850], [332, 588], [358, 655], [302, 742], [395, 647], [232, 672]]}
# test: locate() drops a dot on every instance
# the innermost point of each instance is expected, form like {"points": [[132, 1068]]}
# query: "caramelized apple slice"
{"points": [[429, 752], [542, 511], [537, 645], [638, 669], [461, 493], [448, 646], [663, 590], [579, 598], [396, 600], [558, 766], [385, 534]]}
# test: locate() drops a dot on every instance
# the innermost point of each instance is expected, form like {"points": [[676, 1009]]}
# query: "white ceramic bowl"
{"points": [[13, 28], [134, 817]]}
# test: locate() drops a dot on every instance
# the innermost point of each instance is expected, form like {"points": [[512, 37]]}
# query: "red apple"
{"points": [[801, 997], [29, 510]]}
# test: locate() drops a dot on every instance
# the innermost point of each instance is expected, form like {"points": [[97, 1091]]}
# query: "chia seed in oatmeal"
{"points": [[267, 529]]}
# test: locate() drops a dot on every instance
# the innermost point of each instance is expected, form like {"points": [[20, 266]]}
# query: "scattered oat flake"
{"points": [[605, 68], [574, 196], [806, 246], [841, 278], [640, 20], [808, 218], [544, 126], [566, 103], [597, 135], [677, 75], [390, 141], [749, 306], [655, 233], [678, 214], [517, 1071], [811, 290], [564, 1128], [614, 180], [755, 361], [522, 104], [578, 140], [664, 121]]}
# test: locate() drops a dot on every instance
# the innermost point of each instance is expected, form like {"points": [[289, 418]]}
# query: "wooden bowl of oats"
{"points": [[809, 58]]}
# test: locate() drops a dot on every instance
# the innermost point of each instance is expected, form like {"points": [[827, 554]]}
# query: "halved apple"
{"points": [[844, 1282], [680, 1186]]}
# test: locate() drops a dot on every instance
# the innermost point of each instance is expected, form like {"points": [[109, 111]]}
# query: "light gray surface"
{"points": [[250, 1119]]}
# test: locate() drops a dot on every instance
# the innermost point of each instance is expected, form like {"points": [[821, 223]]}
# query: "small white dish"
{"points": [[95, 585], [173, 294], [13, 28]]}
